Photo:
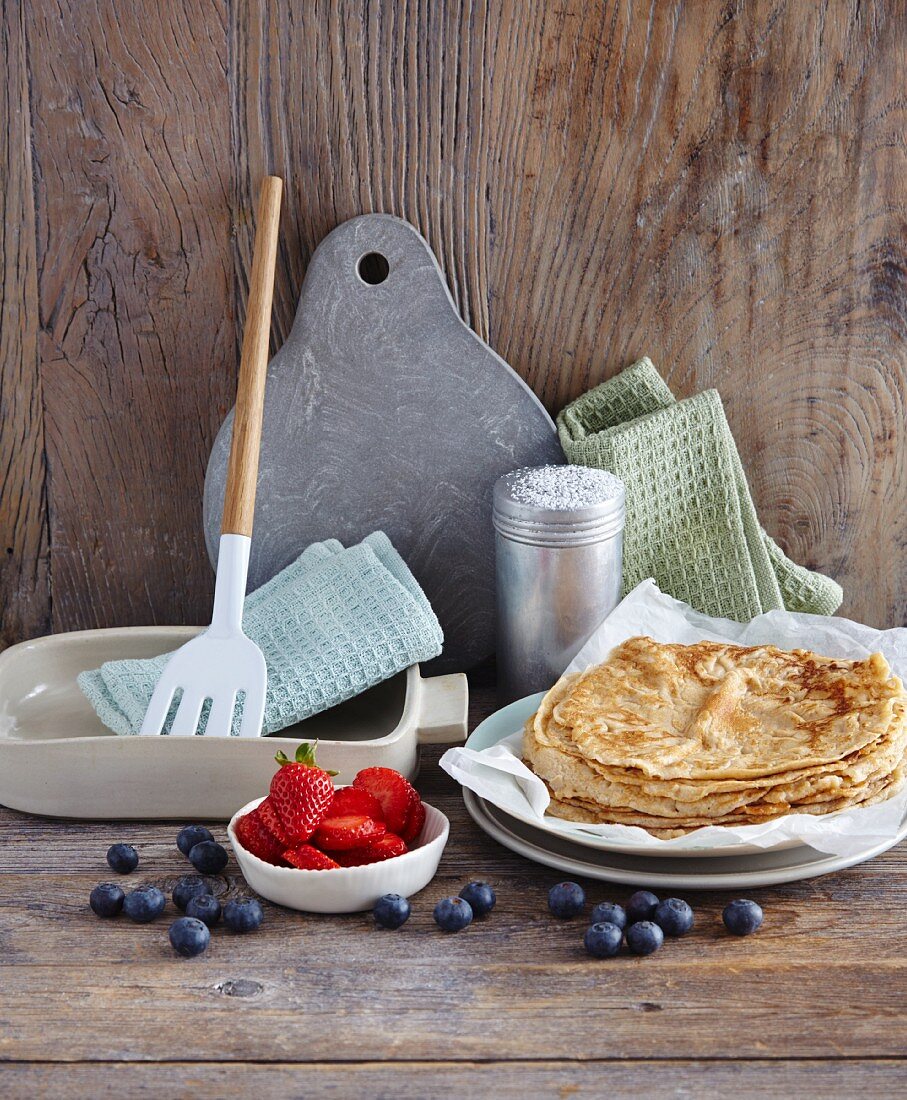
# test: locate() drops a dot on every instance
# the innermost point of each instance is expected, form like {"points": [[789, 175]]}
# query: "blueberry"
{"points": [[187, 838], [641, 906], [243, 916], [742, 917], [603, 939], [644, 937], [480, 896], [391, 911], [606, 912], [106, 899], [673, 916], [122, 858], [453, 914], [143, 904], [566, 899], [204, 907], [208, 857], [189, 886], [189, 937]]}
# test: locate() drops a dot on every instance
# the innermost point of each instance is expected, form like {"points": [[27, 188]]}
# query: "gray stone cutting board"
{"points": [[385, 411]]}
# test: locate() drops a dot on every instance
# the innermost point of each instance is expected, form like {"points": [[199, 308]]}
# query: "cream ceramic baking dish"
{"points": [[57, 757]]}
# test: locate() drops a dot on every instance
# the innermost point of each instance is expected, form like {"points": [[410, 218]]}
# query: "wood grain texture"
{"points": [[715, 185], [24, 577], [816, 982], [131, 132], [242, 469], [723, 180], [416, 1080]]}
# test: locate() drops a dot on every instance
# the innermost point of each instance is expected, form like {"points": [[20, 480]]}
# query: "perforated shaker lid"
{"points": [[559, 505]]}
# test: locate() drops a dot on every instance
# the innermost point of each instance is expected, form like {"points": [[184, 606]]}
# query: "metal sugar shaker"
{"points": [[559, 551]]}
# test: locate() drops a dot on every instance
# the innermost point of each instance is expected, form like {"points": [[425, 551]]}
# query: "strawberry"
{"points": [[272, 822], [386, 848], [307, 858], [415, 820], [301, 793], [353, 800], [256, 838], [395, 793], [338, 834]]}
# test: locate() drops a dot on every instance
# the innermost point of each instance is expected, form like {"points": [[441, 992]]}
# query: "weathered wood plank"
{"points": [[718, 186], [414, 1081], [819, 980], [448, 1008], [138, 346], [24, 577], [367, 107]]}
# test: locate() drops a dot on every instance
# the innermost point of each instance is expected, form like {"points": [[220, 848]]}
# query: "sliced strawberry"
{"points": [[300, 794], [307, 858], [415, 820], [395, 793], [354, 800], [386, 848], [255, 837], [339, 834], [272, 822]]}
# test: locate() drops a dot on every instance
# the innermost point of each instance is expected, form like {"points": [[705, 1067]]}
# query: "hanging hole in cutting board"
{"points": [[373, 268]]}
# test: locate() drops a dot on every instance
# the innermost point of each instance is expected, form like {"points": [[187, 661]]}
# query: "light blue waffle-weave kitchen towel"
{"points": [[335, 622]]}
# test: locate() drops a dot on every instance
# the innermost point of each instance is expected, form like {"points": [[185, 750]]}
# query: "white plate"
{"points": [[510, 719], [345, 889], [711, 873]]}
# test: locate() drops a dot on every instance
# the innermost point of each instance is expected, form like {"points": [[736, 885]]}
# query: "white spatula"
{"points": [[222, 661]]}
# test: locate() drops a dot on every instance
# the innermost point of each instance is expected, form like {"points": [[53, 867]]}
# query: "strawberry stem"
{"points": [[305, 754]]}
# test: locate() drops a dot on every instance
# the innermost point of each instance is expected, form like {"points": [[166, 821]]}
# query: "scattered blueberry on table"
{"points": [[607, 912], [641, 906], [243, 916], [122, 858], [144, 904], [742, 917], [204, 907], [644, 937], [602, 939], [208, 857], [189, 937], [189, 886], [187, 838], [453, 914], [107, 899], [480, 896], [566, 899], [673, 916], [391, 911]]}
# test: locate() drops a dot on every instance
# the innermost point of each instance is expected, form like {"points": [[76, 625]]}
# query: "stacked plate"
{"points": [[560, 845]]}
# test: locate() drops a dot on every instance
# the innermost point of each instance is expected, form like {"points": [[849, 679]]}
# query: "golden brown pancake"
{"points": [[674, 737]]}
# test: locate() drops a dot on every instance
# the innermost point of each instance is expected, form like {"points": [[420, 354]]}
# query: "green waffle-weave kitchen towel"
{"points": [[691, 522], [335, 622]]}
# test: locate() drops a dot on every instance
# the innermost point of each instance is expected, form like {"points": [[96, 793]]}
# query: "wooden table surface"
{"points": [[815, 1003]]}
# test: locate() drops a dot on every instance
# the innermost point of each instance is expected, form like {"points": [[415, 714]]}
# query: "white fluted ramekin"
{"points": [[345, 889]]}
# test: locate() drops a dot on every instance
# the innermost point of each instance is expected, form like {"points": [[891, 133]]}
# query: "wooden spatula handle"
{"points": [[242, 470]]}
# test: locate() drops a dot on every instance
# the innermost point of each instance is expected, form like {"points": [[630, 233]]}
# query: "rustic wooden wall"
{"points": [[719, 185]]}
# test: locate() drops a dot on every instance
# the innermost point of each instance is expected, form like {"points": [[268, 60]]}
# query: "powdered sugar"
{"points": [[563, 488]]}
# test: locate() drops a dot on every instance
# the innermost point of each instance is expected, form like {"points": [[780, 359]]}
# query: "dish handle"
{"points": [[443, 705]]}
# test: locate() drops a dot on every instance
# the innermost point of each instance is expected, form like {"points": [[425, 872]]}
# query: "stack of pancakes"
{"points": [[672, 738]]}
